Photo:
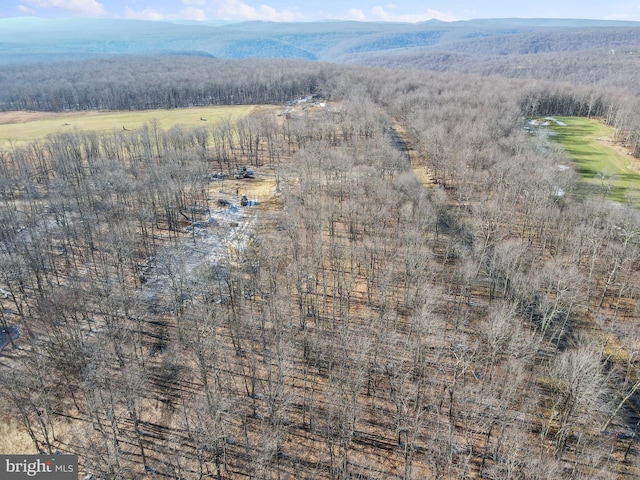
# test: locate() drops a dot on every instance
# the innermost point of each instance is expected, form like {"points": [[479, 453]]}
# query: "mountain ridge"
{"points": [[32, 39]]}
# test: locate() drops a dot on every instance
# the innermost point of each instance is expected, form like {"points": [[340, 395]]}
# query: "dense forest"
{"points": [[611, 70], [141, 83], [431, 292]]}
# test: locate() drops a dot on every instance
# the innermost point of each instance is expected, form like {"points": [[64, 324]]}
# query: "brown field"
{"points": [[18, 128]]}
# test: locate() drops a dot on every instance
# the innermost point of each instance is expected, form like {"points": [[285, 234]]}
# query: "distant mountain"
{"points": [[25, 40]]}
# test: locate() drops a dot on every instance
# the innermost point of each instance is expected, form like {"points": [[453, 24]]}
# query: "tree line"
{"points": [[142, 83], [147, 82]]}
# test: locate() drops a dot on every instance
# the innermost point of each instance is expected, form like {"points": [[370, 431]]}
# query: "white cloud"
{"points": [[382, 14], [379, 13], [188, 13], [356, 14], [202, 10], [27, 10], [192, 13], [78, 7], [238, 10], [146, 14]]}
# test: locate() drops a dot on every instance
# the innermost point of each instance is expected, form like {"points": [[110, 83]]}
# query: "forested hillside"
{"points": [[611, 69], [29, 40], [428, 291]]}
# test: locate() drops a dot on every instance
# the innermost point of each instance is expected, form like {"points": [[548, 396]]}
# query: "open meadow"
{"points": [[603, 162], [18, 128]]}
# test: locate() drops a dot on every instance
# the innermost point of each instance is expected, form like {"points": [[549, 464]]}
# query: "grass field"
{"points": [[605, 168], [22, 127]]}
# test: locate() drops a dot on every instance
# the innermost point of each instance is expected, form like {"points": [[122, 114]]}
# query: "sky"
{"points": [[309, 10]]}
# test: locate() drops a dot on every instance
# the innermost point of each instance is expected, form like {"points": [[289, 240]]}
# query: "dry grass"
{"points": [[423, 176], [261, 189], [13, 439], [18, 128]]}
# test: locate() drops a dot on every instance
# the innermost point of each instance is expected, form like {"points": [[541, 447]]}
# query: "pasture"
{"points": [[19, 128], [603, 163]]}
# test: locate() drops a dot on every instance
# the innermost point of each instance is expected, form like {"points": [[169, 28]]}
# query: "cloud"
{"points": [[192, 13], [188, 13], [356, 14], [146, 14], [383, 14], [201, 10], [26, 10], [238, 10], [379, 13], [78, 7]]}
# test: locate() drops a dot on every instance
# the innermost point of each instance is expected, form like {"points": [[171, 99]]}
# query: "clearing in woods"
{"points": [[17, 128], [599, 158]]}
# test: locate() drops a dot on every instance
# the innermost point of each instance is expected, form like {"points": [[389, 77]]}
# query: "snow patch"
{"points": [[557, 122]]}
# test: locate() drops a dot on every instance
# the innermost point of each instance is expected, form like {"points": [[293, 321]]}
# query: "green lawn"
{"points": [[31, 127], [588, 143]]}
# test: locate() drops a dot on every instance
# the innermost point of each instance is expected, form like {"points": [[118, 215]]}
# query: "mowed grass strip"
{"points": [[589, 143], [19, 128]]}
